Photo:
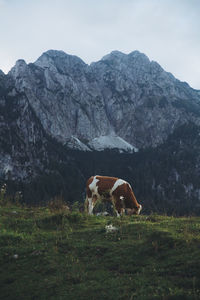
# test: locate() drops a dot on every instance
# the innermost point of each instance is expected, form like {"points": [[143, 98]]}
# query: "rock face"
{"points": [[143, 102], [22, 138], [59, 104], [122, 101], [123, 95], [65, 99]]}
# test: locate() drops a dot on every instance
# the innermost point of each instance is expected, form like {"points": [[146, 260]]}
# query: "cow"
{"points": [[112, 189]]}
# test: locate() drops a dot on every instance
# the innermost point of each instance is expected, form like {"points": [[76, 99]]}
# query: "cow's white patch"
{"points": [[118, 182], [139, 209], [93, 185], [118, 215]]}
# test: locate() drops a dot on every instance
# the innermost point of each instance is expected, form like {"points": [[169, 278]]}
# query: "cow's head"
{"points": [[134, 211]]}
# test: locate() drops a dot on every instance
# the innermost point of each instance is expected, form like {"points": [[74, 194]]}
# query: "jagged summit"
{"points": [[126, 94], [114, 54], [119, 54], [58, 58], [124, 102], [54, 53], [117, 57], [20, 63], [138, 54], [18, 69]]}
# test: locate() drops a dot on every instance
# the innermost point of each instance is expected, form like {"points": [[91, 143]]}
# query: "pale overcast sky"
{"points": [[167, 31]]}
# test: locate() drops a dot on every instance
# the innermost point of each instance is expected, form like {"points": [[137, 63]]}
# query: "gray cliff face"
{"points": [[23, 142], [67, 101], [122, 102], [124, 95], [143, 102]]}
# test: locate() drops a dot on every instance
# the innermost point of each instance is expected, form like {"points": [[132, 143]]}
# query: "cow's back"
{"points": [[105, 183]]}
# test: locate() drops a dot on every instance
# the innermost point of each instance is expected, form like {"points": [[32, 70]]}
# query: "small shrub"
{"points": [[57, 203], [76, 207], [75, 217], [18, 198]]}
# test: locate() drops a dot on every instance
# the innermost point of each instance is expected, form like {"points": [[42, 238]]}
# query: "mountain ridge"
{"points": [[116, 85], [55, 113]]}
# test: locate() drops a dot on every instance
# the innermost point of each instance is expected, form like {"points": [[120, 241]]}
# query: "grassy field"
{"points": [[48, 254]]}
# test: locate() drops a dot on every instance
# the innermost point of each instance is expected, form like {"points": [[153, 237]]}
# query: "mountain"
{"points": [[123, 95], [59, 109], [24, 144]]}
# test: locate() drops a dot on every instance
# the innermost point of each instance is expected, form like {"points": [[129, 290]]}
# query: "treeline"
{"points": [[164, 179]]}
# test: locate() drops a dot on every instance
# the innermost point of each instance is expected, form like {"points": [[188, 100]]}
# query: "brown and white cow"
{"points": [[114, 190]]}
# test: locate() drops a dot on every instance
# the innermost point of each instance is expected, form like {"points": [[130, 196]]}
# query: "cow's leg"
{"points": [[88, 202], [118, 214], [117, 205], [91, 204]]}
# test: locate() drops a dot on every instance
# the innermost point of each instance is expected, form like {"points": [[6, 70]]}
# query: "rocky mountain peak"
{"points": [[126, 94], [124, 102], [64, 63], [139, 57], [19, 68], [134, 65], [114, 55]]}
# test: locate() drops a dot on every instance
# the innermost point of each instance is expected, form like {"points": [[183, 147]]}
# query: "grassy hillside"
{"points": [[47, 254]]}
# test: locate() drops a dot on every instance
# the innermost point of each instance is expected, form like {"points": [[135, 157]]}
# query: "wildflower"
{"points": [[18, 196], [110, 228], [104, 213], [3, 189], [3, 192]]}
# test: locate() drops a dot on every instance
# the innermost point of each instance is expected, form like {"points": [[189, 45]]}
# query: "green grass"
{"points": [[65, 255]]}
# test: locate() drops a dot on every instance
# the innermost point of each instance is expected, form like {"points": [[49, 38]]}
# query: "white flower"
{"points": [[110, 228], [104, 213]]}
